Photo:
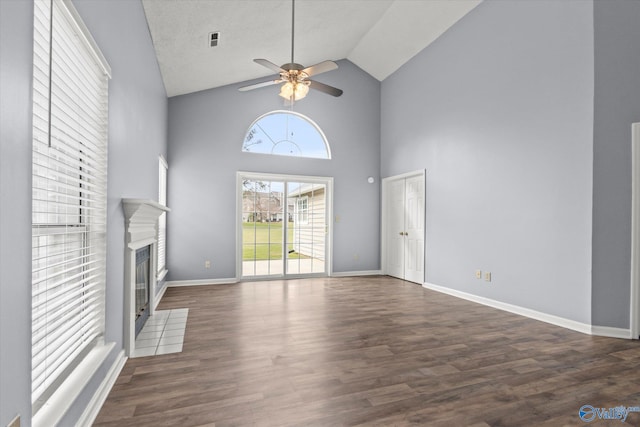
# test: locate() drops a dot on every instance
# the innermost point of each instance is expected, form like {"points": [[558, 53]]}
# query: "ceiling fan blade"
{"points": [[270, 65], [333, 91], [321, 67], [259, 85]]}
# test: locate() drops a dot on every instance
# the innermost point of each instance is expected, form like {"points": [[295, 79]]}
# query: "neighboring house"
{"points": [[262, 206], [309, 207]]}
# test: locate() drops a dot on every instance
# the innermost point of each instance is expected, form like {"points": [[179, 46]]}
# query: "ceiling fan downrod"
{"points": [[293, 26]]}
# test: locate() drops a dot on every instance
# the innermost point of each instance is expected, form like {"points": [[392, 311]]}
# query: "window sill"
{"points": [[61, 400]]}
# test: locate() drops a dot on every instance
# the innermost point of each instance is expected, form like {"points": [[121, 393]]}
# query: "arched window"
{"points": [[286, 133]]}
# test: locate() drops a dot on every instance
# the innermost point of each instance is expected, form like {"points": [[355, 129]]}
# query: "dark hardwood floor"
{"points": [[367, 351]]}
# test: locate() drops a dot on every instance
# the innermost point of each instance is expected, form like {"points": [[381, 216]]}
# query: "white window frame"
{"points": [[285, 137], [302, 212], [70, 121], [163, 172]]}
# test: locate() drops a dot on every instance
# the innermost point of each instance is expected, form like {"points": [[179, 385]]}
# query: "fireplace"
{"points": [[141, 231]]}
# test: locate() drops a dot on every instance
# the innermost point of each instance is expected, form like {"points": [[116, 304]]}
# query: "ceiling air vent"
{"points": [[213, 39]]}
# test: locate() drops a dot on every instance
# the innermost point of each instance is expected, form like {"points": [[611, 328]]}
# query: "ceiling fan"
{"points": [[295, 76]]}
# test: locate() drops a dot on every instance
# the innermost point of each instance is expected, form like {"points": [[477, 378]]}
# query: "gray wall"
{"points": [[206, 131], [499, 111], [137, 135], [16, 64], [617, 106], [138, 108]]}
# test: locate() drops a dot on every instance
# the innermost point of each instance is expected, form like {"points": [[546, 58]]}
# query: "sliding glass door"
{"points": [[306, 243], [283, 227], [263, 227]]}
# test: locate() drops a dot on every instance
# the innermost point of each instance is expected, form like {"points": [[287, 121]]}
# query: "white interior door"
{"points": [[414, 229], [395, 229], [404, 212]]}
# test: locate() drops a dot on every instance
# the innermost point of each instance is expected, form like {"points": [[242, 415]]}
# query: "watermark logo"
{"points": [[589, 413]]}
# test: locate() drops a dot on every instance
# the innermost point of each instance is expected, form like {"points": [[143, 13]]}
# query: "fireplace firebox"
{"points": [[143, 264]]}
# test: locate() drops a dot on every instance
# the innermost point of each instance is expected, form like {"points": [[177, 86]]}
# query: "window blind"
{"points": [[70, 100], [162, 220]]}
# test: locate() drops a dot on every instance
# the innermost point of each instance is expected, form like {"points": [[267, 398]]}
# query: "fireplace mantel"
{"points": [[141, 216], [141, 229]]}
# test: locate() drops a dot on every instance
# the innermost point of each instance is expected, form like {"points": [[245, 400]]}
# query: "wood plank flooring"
{"points": [[367, 351]]}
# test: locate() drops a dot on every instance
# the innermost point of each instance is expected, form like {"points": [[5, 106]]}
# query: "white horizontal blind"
{"points": [[162, 220], [70, 100]]}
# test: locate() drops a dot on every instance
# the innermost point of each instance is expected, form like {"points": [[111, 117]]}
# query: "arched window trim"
{"points": [[301, 116]]}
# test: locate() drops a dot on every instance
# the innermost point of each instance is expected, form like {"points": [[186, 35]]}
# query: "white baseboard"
{"points": [[203, 282], [357, 273], [604, 331], [91, 411], [607, 331]]}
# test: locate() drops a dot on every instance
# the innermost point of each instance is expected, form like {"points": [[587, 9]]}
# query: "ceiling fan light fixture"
{"points": [[286, 91], [297, 91], [301, 90]]}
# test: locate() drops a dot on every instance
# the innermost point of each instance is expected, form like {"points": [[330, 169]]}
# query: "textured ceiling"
{"points": [[377, 35]]}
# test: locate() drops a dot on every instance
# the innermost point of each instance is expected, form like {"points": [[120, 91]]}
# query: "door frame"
{"points": [[634, 308], [383, 216], [328, 181]]}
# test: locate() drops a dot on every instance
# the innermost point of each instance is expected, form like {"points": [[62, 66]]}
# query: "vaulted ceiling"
{"points": [[379, 36]]}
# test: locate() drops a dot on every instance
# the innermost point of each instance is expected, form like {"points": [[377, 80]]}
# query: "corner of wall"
{"points": [[616, 107]]}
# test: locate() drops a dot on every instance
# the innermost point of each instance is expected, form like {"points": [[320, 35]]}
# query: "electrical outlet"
{"points": [[356, 257], [487, 276], [478, 274], [207, 264], [337, 218]]}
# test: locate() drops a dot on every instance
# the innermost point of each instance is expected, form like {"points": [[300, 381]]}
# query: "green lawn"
{"points": [[263, 240]]}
